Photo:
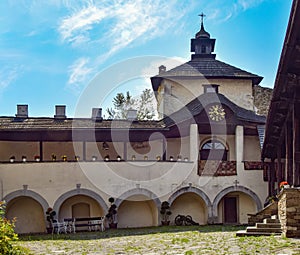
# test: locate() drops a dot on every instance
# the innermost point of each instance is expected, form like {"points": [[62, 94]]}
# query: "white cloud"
{"points": [[79, 73], [76, 26], [229, 8], [8, 75], [117, 24]]}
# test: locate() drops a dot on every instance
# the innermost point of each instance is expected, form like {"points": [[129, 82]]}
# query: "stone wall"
{"points": [[289, 212], [267, 212]]}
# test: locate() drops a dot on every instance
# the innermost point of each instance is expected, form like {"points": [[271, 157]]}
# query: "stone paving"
{"points": [[171, 242]]}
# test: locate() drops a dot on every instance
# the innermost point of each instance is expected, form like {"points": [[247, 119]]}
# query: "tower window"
{"points": [[203, 49], [211, 88]]}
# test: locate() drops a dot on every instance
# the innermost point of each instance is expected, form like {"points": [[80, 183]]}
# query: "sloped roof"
{"points": [[206, 67], [197, 105], [44, 123], [286, 93]]}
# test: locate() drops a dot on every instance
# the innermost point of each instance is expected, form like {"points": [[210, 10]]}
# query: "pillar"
{"points": [[239, 147], [194, 143]]}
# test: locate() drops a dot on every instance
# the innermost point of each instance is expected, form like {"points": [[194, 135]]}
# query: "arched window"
{"points": [[203, 49], [213, 150]]}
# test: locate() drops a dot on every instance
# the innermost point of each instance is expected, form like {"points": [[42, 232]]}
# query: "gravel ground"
{"points": [[158, 241]]}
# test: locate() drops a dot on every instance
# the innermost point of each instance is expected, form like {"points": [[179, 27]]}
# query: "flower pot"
{"points": [[49, 230], [113, 225], [165, 223]]}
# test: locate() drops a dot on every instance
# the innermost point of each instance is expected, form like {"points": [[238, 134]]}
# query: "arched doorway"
{"points": [[29, 215], [80, 206], [234, 208], [190, 203], [137, 211]]}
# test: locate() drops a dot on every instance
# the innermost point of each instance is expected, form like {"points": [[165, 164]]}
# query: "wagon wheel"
{"points": [[188, 220], [179, 220]]}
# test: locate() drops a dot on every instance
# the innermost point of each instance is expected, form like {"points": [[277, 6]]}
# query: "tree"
{"points": [[144, 104]]}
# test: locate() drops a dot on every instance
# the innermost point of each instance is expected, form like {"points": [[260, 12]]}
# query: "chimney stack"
{"points": [[132, 115], [162, 69], [60, 112], [97, 114], [22, 111]]}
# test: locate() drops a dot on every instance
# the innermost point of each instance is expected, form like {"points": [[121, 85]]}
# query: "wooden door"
{"points": [[230, 210]]}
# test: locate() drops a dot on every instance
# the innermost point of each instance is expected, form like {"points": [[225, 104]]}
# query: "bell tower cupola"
{"points": [[202, 44]]}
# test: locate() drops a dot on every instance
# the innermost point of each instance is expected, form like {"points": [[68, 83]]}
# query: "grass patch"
{"points": [[160, 240]]}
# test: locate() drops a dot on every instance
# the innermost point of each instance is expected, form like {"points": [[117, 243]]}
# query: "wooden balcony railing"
{"points": [[216, 168]]}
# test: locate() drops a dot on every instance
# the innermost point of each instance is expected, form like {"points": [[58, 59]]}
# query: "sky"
{"points": [[52, 50]]}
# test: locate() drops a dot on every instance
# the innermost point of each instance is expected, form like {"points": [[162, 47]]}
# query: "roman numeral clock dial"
{"points": [[216, 112]]}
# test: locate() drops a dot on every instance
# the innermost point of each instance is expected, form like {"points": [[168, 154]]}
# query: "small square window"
{"points": [[211, 88]]}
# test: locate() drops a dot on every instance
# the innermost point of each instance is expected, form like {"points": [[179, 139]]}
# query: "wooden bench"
{"points": [[91, 223]]}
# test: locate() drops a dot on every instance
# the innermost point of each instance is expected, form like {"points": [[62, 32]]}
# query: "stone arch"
{"points": [[193, 190], [234, 189], [138, 191], [27, 193], [196, 191], [138, 208], [218, 138], [80, 191]]}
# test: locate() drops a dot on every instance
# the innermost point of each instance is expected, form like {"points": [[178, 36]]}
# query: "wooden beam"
{"points": [[289, 152], [296, 145]]}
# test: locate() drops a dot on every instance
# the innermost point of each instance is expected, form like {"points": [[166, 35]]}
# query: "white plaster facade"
{"points": [[139, 182]]}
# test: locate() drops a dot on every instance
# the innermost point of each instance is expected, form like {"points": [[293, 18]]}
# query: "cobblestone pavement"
{"points": [[185, 241]]}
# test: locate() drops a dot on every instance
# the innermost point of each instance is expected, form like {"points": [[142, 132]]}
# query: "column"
{"points": [[289, 152], [194, 143], [239, 147], [125, 151], [271, 178], [41, 151], [296, 143], [84, 150]]}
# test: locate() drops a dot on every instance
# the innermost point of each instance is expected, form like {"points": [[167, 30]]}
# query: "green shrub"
{"points": [[8, 235]]}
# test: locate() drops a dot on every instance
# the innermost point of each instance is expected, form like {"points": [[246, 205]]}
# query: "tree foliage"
{"points": [[144, 104], [8, 235]]}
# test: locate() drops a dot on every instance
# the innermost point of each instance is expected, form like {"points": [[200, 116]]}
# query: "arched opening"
{"points": [[80, 206], [29, 215], [191, 204], [234, 208], [80, 210], [213, 150], [137, 211]]}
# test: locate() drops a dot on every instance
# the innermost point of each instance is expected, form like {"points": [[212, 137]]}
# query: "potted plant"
{"points": [[24, 158], [37, 158], [12, 159], [53, 157], [64, 158], [50, 218], [165, 213], [284, 184], [111, 216]]}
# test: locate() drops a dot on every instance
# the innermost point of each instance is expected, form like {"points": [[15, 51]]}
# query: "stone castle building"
{"points": [[202, 156]]}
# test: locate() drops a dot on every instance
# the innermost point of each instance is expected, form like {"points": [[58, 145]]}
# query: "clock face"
{"points": [[216, 112]]}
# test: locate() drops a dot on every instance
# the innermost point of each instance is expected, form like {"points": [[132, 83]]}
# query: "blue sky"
{"points": [[50, 50]]}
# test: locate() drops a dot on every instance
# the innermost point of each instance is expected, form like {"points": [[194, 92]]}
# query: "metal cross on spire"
{"points": [[202, 15]]}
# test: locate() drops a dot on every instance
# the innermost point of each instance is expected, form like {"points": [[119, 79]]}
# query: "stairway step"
{"points": [[268, 225], [268, 220], [263, 230], [242, 233]]}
